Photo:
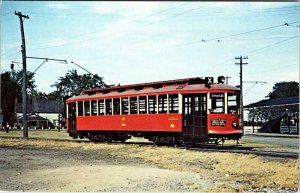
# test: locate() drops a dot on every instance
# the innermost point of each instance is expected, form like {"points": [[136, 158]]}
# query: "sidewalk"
{"points": [[273, 135]]}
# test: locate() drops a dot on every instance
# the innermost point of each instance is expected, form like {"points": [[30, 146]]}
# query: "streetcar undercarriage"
{"points": [[158, 138]]}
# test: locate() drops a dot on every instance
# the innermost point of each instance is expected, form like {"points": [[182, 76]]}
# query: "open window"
{"points": [[217, 103], [152, 104], [133, 105], [116, 104], [233, 103], [87, 110], [124, 106], [94, 107], [142, 105], [80, 108], [173, 103], [101, 107], [108, 106], [162, 104]]}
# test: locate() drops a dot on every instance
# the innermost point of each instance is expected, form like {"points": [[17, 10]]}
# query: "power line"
{"points": [[221, 13], [223, 37], [9, 51], [254, 83], [247, 32], [151, 23], [291, 25], [166, 10], [257, 38], [269, 46], [189, 11], [143, 17], [79, 15], [176, 15], [17, 55], [231, 16], [272, 45], [263, 48]]}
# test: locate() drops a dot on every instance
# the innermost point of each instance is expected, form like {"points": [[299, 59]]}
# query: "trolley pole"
{"points": [[241, 88], [227, 77], [24, 93]]}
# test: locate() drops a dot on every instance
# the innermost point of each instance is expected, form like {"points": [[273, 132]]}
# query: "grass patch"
{"points": [[39, 134]]}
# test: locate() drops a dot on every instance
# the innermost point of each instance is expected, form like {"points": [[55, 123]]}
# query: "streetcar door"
{"points": [[72, 116], [200, 116], [194, 115]]}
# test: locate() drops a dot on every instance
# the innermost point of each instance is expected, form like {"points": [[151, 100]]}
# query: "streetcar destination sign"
{"points": [[218, 122], [216, 95]]}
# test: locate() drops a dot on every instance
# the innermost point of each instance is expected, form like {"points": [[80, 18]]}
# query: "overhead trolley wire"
{"points": [[17, 55], [253, 11], [227, 36], [164, 10], [247, 32], [257, 38], [271, 45], [93, 38], [259, 49], [74, 37]]}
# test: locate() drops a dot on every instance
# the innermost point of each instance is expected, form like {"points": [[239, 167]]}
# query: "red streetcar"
{"points": [[193, 110]]}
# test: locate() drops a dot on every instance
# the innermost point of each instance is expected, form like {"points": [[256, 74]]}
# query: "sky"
{"points": [[137, 42]]}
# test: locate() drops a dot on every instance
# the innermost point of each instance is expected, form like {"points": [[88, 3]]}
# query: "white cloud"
{"points": [[129, 10], [270, 4], [104, 8], [61, 6]]}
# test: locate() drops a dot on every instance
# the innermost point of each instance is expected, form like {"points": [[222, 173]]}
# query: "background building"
{"points": [[43, 114], [275, 115]]}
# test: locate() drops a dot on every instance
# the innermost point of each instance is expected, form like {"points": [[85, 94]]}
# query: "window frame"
{"points": [[214, 103]]}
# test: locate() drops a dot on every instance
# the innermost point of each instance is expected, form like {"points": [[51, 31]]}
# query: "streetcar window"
{"points": [[162, 103], [101, 107], [124, 105], [233, 103], [187, 105], [173, 103], [152, 104], [80, 108], [87, 108], [142, 105], [116, 106], [108, 106], [94, 107], [133, 105], [217, 103]]}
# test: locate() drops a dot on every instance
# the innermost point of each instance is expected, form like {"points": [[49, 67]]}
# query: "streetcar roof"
{"points": [[195, 80], [167, 89]]}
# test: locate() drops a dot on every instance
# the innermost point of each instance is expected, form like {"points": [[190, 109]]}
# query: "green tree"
{"points": [[17, 76], [284, 89], [73, 84], [11, 90], [36, 95]]}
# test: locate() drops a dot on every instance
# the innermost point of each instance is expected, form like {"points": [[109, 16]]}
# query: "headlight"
{"points": [[234, 124]]}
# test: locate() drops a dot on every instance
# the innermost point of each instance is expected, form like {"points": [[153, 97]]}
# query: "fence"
{"points": [[249, 129]]}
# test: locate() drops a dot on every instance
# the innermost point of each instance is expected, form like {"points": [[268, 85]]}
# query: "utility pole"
{"points": [[1, 115], [241, 88], [24, 86]]}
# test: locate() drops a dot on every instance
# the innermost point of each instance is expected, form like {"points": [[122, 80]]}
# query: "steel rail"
{"points": [[206, 148]]}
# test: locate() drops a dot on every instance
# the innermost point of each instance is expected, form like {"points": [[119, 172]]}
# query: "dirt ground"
{"points": [[37, 165]]}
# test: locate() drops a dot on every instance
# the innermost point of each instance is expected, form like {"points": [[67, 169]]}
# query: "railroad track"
{"points": [[207, 148], [242, 150]]}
